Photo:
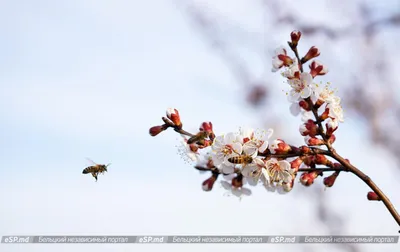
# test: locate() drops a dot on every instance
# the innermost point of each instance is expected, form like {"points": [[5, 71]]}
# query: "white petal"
{"points": [[226, 169], [306, 92], [293, 96], [280, 190], [307, 115], [246, 191], [229, 177], [263, 147], [246, 132], [252, 181], [285, 165], [250, 150], [276, 63], [238, 148], [306, 78], [295, 109], [269, 133], [229, 138], [247, 171], [226, 185]]}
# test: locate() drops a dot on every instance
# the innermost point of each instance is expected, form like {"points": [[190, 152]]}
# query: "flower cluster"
{"points": [[317, 103], [250, 157]]}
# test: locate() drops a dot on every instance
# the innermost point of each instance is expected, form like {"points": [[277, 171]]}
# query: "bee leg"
{"points": [[94, 175]]}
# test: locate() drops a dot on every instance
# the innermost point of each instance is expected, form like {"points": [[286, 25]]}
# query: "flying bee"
{"points": [[95, 169]]}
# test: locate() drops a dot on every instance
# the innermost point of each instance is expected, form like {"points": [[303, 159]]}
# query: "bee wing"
{"points": [[91, 161], [108, 164]]}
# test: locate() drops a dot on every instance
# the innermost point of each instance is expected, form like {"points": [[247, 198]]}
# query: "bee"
{"points": [[241, 159], [95, 169], [198, 137]]}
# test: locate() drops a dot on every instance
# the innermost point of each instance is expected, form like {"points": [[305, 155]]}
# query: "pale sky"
{"points": [[89, 78]]}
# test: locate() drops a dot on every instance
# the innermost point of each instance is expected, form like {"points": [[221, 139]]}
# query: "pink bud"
{"points": [[295, 164], [287, 61], [310, 128], [154, 131], [313, 141], [317, 68], [281, 147], [373, 196], [321, 159], [287, 187], [332, 139], [295, 36], [304, 105], [325, 114], [173, 115], [208, 184], [312, 53], [237, 182], [330, 180], [206, 126], [307, 179]]}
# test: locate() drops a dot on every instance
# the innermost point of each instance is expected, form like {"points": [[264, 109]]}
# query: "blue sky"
{"points": [[88, 78]]}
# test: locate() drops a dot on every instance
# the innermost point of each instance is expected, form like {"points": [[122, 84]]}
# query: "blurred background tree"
{"points": [[357, 39]]}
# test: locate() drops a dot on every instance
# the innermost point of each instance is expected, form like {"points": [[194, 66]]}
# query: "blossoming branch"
{"points": [[249, 157]]}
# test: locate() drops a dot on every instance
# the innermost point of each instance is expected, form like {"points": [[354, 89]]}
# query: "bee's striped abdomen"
{"points": [[89, 169], [240, 159]]}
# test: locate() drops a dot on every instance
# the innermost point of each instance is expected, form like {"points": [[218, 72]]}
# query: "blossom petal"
{"points": [[238, 148], [229, 138], [306, 92], [226, 169], [226, 185], [295, 109]]}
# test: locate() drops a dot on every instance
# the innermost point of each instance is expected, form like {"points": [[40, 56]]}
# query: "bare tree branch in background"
{"points": [[369, 108]]}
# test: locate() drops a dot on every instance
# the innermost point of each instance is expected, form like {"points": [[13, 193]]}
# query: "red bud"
{"points": [[373, 196]]}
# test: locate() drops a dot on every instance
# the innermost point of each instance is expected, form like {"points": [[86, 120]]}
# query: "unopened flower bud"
{"points": [[305, 149], [324, 115], [193, 147], [237, 181], [287, 187], [373, 196], [310, 128], [308, 160], [312, 53], [319, 103], [279, 146], [337, 165], [331, 125], [332, 139], [154, 131], [295, 36], [173, 115], [208, 184], [317, 68], [208, 127], [321, 159], [304, 105], [313, 141], [295, 164], [330, 180], [210, 163], [308, 178], [287, 61]]}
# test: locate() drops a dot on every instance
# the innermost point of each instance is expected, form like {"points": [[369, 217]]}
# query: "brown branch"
{"points": [[367, 180]]}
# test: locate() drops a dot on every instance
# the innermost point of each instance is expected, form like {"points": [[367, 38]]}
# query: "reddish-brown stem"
{"points": [[332, 153], [323, 169], [367, 180]]}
